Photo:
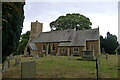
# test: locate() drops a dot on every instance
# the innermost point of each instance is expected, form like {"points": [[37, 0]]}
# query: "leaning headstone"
{"points": [[28, 69], [5, 66], [17, 60], [8, 60]]}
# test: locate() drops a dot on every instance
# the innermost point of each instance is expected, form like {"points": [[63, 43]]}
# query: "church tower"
{"points": [[36, 29]]}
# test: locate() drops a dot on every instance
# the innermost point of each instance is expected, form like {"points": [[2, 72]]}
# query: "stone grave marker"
{"points": [[28, 69], [8, 60], [103, 50], [88, 55], [57, 54], [5, 66], [98, 67], [118, 51], [11, 56], [36, 56], [17, 60]]}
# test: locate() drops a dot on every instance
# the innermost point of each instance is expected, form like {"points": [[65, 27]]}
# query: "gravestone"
{"points": [[17, 60], [88, 55], [28, 69], [118, 51], [36, 56], [11, 56], [103, 50], [8, 60], [5, 66], [98, 67]]}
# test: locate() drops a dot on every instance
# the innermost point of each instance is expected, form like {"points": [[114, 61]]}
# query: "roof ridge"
{"points": [[68, 29]]}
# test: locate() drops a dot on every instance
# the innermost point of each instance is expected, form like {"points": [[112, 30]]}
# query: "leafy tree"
{"points": [[102, 40], [23, 42], [71, 21], [12, 23], [109, 43]]}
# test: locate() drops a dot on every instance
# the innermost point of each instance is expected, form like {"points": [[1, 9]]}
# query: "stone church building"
{"points": [[62, 42]]}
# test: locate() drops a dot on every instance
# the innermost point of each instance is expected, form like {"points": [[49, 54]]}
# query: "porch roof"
{"points": [[33, 46]]}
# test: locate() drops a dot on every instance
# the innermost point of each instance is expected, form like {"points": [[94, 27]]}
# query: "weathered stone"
{"points": [[35, 56], [88, 55], [5, 66], [11, 56], [98, 67], [17, 60], [8, 60], [28, 69]]}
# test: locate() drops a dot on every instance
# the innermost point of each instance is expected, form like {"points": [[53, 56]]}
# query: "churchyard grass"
{"points": [[62, 67]]}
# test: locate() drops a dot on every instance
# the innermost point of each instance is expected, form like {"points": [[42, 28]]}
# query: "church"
{"points": [[62, 42]]}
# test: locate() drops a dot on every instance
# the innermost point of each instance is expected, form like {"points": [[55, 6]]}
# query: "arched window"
{"points": [[43, 48], [53, 47], [63, 49]]}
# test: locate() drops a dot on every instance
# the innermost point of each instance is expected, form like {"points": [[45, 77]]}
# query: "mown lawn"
{"points": [[62, 67]]}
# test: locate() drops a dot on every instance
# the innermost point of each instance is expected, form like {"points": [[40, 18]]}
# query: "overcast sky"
{"points": [[102, 14]]}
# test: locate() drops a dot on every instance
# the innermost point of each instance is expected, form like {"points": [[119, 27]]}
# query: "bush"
{"points": [[118, 51]]}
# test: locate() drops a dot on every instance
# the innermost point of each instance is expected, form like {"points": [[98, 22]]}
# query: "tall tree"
{"points": [[71, 21], [109, 43], [12, 23], [23, 42]]}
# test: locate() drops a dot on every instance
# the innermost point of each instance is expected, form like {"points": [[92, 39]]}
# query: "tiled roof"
{"points": [[71, 36]]}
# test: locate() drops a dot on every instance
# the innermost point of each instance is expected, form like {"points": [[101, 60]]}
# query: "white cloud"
{"points": [[104, 15], [106, 23], [26, 27]]}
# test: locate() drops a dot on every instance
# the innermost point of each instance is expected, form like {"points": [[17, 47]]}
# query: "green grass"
{"points": [[109, 67], [62, 67]]}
